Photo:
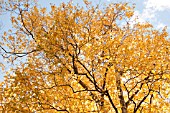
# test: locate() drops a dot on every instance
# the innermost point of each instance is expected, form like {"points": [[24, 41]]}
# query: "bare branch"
{"points": [[18, 54], [110, 99]]}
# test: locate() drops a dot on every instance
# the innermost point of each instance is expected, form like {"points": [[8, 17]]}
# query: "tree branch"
{"points": [[110, 99], [144, 98]]}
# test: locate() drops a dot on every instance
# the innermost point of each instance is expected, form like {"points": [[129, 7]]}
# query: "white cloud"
{"points": [[148, 14], [152, 8], [138, 17], [158, 5], [142, 17], [160, 25]]}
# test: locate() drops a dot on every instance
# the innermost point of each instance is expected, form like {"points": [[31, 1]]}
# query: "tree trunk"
{"points": [[120, 92]]}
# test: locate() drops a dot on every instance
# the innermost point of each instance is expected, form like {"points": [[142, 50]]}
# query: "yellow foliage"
{"points": [[80, 60]]}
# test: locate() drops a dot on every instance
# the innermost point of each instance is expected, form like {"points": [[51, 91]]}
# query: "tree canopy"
{"points": [[80, 59]]}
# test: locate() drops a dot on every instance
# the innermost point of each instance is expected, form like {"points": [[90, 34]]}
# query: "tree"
{"points": [[84, 59]]}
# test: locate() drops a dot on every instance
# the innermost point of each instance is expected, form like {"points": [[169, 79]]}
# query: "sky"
{"points": [[156, 12]]}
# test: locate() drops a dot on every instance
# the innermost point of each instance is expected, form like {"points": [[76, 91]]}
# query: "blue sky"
{"points": [[156, 12]]}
